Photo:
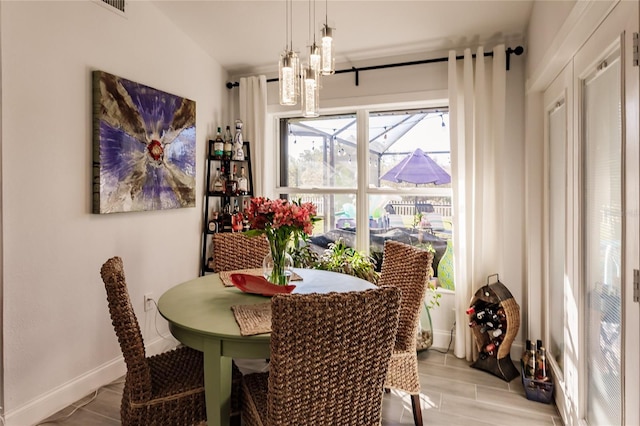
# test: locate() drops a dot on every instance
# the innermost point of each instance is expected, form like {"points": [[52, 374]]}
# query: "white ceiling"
{"points": [[247, 36]]}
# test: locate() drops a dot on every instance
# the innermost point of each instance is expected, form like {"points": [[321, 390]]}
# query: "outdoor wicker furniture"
{"points": [[165, 389], [329, 358], [406, 267]]}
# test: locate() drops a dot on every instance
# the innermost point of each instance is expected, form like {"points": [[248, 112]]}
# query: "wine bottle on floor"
{"points": [[530, 366]]}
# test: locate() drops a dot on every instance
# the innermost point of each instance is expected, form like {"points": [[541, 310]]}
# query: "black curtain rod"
{"points": [[517, 51]]}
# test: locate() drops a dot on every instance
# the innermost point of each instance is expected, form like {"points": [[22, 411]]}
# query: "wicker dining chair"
{"points": [[234, 250], [164, 389], [406, 267], [329, 357]]}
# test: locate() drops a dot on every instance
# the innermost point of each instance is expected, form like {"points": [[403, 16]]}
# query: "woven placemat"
{"points": [[225, 276], [253, 319]]}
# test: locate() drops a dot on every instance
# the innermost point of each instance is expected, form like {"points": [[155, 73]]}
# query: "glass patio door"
{"points": [[606, 91], [602, 193]]}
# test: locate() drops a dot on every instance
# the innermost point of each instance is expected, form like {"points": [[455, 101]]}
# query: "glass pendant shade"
{"points": [[289, 81], [310, 92], [315, 58], [328, 60]]}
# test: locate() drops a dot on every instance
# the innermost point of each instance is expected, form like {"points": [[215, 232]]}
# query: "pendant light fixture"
{"points": [[328, 57], [310, 76], [310, 92], [289, 65], [315, 57]]}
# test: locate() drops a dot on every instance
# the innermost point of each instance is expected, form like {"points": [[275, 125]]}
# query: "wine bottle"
{"points": [[228, 144], [213, 222], [541, 364], [530, 366], [246, 225], [223, 179], [236, 219], [525, 354], [243, 183], [232, 183], [226, 219], [218, 184], [218, 145], [490, 348], [238, 143]]}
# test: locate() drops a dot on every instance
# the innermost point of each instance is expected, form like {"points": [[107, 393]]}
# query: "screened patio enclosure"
{"points": [[319, 163]]}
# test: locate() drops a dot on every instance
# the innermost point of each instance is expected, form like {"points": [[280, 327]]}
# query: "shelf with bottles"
{"points": [[233, 184], [229, 182], [225, 218], [228, 148]]}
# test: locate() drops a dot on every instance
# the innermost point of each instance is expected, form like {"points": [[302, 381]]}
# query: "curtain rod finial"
{"points": [[519, 50]]}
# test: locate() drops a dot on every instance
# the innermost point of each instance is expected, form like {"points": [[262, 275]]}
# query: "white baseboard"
{"points": [[66, 394], [441, 339]]}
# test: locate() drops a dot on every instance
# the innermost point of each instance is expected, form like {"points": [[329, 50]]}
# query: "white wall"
{"points": [[58, 340], [546, 19]]}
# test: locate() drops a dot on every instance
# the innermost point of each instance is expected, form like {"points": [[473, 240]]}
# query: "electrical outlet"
{"points": [[148, 302]]}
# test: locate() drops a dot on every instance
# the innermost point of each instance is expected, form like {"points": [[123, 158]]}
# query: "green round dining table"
{"points": [[199, 316]]}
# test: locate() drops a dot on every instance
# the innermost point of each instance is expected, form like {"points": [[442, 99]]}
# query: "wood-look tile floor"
{"points": [[452, 394]]}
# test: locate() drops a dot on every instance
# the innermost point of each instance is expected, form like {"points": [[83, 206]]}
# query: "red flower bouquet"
{"points": [[280, 220]]}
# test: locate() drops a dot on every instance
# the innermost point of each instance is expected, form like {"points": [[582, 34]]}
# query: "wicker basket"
{"points": [[498, 362]]}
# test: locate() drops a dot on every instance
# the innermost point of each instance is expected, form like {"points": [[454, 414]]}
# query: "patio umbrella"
{"points": [[417, 168]]}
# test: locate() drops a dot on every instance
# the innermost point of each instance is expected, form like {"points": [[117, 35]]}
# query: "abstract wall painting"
{"points": [[144, 144]]}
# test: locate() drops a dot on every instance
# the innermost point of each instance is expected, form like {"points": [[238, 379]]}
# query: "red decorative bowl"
{"points": [[258, 285]]}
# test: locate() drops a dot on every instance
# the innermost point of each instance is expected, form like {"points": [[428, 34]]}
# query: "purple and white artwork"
{"points": [[144, 144]]}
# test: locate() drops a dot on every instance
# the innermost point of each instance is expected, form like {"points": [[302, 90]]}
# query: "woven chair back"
{"points": [[127, 329], [233, 251], [329, 356], [406, 267]]}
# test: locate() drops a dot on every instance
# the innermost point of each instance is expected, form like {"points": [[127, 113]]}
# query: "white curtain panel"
{"points": [[477, 125], [253, 113]]}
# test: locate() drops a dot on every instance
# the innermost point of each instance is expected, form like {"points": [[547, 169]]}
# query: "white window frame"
{"points": [[431, 99]]}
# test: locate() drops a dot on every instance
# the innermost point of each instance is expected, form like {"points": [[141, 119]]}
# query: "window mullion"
{"points": [[362, 198]]}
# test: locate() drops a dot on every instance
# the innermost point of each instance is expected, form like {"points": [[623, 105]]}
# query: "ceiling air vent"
{"points": [[116, 4]]}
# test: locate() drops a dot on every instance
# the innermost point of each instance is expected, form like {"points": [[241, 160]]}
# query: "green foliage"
{"points": [[341, 258], [426, 246], [301, 252], [344, 259], [434, 300]]}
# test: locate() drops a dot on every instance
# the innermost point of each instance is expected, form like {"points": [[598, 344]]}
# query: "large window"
{"points": [[374, 176]]}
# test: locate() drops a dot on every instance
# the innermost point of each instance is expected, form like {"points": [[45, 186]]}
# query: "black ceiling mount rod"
{"points": [[517, 51]]}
